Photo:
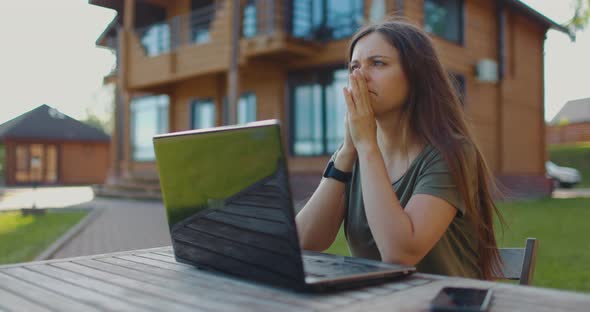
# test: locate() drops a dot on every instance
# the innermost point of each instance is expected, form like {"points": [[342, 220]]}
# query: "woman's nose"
{"points": [[365, 73]]}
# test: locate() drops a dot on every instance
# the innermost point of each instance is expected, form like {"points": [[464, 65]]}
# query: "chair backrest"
{"points": [[519, 263]]}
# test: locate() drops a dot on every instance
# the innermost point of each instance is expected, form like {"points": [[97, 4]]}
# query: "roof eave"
{"points": [[517, 4]]}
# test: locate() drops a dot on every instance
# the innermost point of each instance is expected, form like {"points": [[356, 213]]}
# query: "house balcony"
{"points": [[267, 30], [289, 29], [200, 42], [183, 46]]}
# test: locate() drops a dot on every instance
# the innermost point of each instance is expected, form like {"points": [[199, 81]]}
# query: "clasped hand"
{"points": [[360, 120]]}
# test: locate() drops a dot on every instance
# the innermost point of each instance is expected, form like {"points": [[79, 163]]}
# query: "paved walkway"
{"points": [[121, 225]]}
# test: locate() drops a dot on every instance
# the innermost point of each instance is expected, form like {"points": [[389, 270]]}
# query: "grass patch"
{"points": [[560, 226], [575, 156], [563, 260], [22, 238]]}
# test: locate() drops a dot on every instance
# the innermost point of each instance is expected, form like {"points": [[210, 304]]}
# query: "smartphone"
{"points": [[462, 299]]}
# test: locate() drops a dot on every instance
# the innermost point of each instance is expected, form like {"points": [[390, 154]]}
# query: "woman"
{"points": [[409, 181]]}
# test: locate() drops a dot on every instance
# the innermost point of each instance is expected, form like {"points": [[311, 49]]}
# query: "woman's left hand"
{"points": [[361, 119]]}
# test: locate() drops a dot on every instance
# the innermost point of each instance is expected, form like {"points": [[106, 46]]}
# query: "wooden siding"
{"points": [[572, 133], [83, 163], [77, 162], [522, 124]]}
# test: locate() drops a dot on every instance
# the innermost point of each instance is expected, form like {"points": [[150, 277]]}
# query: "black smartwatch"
{"points": [[332, 172]]}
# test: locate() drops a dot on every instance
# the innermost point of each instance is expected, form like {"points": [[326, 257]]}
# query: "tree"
{"points": [[581, 17], [94, 121]]}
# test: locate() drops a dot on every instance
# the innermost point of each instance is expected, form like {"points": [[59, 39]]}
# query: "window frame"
{"points": [[201, 101], [461, 23], [321, 31], [132, 124], [319, 75], [247, 97]]}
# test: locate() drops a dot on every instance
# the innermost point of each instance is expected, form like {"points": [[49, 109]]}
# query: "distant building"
{"points": [[176, 68], [44, 146], [571, 124]]}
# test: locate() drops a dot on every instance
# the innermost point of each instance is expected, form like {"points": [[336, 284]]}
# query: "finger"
{"points": [[364, 93], [354, 85], [349, 100]]}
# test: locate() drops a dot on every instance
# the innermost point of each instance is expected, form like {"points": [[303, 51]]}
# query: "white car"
{"points": [[563, 176]]}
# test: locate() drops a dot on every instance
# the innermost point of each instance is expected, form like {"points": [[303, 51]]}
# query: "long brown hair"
{"points": [[433, 113]]}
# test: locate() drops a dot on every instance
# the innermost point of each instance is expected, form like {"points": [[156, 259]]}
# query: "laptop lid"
{"points": [[228, 202]]}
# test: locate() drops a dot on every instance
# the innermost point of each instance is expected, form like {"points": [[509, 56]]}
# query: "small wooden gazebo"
{"points": [[44, 146]]}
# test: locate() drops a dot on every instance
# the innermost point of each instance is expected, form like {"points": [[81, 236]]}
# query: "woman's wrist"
{"points": [[345, 159], [367, 151]]}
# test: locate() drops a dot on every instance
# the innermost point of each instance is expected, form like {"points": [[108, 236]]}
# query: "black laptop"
{"points": [[229, 209]]}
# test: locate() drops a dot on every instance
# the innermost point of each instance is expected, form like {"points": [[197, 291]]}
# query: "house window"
{"points": [[249, 20], [149, 116], [201, 17], [317, 110], [326, 19], [156, 39], [202, 114], [247, 108], [444, 18]]}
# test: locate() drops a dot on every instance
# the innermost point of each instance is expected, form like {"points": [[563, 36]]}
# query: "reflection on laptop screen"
{"points": [[228, 204]]}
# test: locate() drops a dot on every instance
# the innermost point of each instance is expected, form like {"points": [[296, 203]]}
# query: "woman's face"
{"points": [[381, 66]]}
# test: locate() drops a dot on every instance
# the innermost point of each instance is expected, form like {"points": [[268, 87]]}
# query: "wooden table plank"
{"points": [[178, 288], [70, 290], [104, 283], [9, 299], [37, 295], [188, 277]]}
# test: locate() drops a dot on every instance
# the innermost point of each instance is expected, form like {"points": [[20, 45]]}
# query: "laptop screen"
{"points": [[228, 202]]}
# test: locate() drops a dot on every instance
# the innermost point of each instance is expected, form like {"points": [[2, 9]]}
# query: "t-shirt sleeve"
{"points": [[437, 180], [333, 158]]}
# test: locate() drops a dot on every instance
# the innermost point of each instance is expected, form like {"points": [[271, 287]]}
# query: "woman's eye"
{"points": [[379, 63], [352, 68]]}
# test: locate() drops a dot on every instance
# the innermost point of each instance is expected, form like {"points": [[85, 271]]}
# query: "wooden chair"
{"points": [[519, 263]]}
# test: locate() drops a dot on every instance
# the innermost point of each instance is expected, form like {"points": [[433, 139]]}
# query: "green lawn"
{"points": [[573, 155], [24, 238], [560, 225]]}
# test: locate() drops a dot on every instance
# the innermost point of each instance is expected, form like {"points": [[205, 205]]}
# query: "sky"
{"points": [[49, 56]]}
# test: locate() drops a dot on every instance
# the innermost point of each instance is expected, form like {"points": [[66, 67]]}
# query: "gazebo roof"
{"points": [[47, 123]]}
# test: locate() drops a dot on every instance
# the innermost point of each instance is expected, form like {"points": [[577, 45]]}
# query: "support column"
{"points": [[233, 74]]}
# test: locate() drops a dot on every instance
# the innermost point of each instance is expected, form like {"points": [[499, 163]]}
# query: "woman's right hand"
{"points": [[348, 146], [347, 154]]}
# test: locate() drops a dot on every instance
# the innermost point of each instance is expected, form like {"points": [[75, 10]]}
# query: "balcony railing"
{"points": [[304, 19], [166, 36]]}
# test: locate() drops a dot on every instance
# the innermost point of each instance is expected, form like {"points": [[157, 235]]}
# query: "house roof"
{"points": [[534, 14], [573, 112], [47, 123], [515, 4]]}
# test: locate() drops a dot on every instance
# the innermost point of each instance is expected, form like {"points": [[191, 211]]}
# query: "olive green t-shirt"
{"points": [[456, 252]]}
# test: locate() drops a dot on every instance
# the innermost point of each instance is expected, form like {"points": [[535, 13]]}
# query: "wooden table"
{"points": [[150, 279]]}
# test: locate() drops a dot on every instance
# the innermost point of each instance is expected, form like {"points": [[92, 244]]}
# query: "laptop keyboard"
{"points": [[315, 267]]}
